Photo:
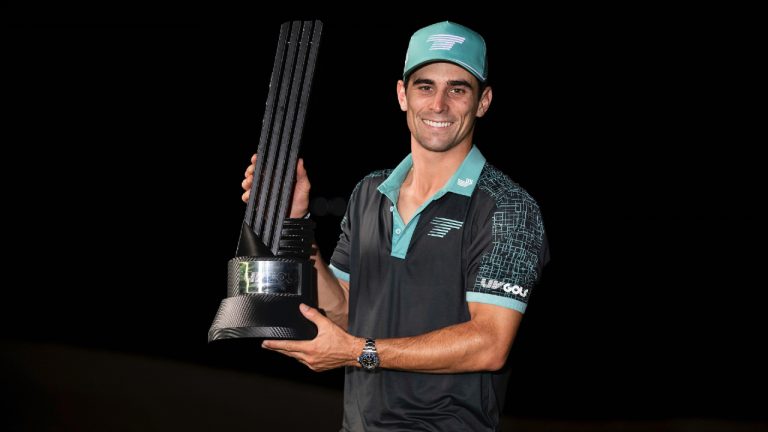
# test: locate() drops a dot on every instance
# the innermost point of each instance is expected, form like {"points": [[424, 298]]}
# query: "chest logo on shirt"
{"points": [[442, 226], [464, 182]]}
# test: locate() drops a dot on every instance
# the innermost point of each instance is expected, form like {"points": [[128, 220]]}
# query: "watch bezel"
{"points": [[369, 360]]}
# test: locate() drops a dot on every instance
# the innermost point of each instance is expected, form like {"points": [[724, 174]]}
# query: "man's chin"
{"points": [[437, 146]]}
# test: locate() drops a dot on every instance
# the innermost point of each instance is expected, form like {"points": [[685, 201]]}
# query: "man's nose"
{"points": [[439, 102]]}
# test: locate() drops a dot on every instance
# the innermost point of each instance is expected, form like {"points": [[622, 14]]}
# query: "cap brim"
{"points": [[440, 60]]}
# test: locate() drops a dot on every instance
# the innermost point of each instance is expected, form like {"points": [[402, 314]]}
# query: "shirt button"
{"points": [[397, 231]]}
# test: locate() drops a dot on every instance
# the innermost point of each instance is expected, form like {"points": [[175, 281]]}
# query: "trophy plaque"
{"points": [[272, 273]]}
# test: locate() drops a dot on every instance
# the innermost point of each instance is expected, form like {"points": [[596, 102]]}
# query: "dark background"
{"points": [[125, 149]]}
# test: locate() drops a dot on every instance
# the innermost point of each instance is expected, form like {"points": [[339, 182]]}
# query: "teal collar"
{"points": [[462, 182]]}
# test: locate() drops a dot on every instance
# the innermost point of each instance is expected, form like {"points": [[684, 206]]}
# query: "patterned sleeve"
{"points": [[513, 256]]}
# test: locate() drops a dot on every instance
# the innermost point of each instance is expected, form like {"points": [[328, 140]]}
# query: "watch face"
{"points": [[369, 361]]}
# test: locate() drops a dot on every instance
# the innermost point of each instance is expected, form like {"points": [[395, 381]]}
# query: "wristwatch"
{"points": [[369, 359]]}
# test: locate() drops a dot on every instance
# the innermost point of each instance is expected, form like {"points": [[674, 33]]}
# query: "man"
{"points": [[435, 262]]}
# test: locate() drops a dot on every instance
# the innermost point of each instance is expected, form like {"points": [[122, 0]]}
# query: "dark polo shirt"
{"points": [[479, 239]]}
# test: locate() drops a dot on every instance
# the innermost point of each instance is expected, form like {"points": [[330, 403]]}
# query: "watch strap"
{"points": [[370, 345]]}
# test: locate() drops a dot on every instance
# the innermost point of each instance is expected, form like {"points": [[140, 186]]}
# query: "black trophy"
{"points": [[272, 273]]}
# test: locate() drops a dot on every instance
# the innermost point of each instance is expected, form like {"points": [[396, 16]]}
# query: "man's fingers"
{"points": [[312, 314], [248, 181], [284, 346], [301, 172]]}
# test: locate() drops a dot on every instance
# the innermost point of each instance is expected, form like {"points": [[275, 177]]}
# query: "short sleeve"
{"points": [[513, 256], [340, 260]]}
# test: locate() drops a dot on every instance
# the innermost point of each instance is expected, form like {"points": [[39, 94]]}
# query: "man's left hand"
{"points": [[331, 348]]}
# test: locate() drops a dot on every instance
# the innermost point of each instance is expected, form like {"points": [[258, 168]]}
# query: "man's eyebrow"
{"points": [[462, 83], [453, 83], [423, 81]]}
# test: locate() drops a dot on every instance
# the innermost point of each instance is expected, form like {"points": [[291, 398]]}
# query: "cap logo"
{"points": [[444, 42]]}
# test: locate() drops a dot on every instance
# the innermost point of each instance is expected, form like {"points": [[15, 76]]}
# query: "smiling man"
{"points": [[435, 264]]}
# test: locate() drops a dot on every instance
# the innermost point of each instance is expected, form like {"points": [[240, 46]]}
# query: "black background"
{"points": [[125, 150]]}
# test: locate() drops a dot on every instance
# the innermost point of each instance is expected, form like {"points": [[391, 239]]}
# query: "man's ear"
{"points": [[402, 99], [485, 101]]}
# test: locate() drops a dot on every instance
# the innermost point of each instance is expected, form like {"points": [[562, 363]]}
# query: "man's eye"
{"points": [[458, 90], [425, 88]]}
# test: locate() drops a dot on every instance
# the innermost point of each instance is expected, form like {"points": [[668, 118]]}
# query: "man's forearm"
{"points": [[332, 296], [481, 344]]}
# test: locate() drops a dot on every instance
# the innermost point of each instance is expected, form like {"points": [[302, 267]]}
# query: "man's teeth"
{"points": [[437, 124]]}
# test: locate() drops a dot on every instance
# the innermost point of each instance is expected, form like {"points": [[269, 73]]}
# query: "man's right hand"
{"points": [[300, 202]]}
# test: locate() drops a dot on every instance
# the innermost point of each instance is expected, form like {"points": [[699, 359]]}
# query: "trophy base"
{"points": [[257, 332], [268, 316]]}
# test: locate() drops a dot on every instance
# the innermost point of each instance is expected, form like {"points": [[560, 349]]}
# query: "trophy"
{"points": [[271, 273]]}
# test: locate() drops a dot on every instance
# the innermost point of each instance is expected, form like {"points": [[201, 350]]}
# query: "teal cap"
{"points": [[449, 42]]}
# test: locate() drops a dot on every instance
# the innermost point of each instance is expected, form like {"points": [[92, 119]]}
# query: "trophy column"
{"points": [[272, 273]]}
